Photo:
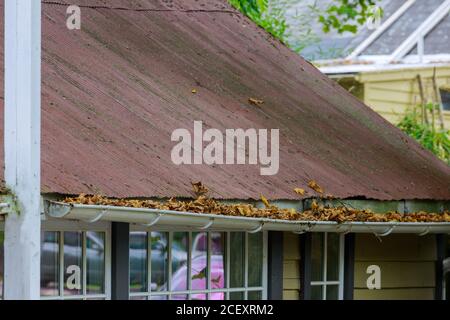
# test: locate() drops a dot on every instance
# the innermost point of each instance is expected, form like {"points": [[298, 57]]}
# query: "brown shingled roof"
{"points": [[114, 91]]}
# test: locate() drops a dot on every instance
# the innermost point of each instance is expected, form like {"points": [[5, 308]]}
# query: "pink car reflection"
{"points": [[198, 278]]}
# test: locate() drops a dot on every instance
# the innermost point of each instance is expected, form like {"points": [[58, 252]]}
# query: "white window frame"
{"points": [[62, 226], [227, 290], [324, 283]]}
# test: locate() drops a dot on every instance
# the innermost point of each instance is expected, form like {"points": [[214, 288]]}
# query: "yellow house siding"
{"points": [[391, 92], [407, 265], [291, 266]]}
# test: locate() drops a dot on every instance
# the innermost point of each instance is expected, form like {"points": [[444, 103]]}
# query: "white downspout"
{"points": [[22, 147]]}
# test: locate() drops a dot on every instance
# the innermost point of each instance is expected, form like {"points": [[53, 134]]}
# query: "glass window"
{"points": [[159, 260], [255, 259], [138, 261], [73, 265], [326, 263], [50, 264], [445, 96], [178, 255], [95, 262], [199, 264], [237, 259]]}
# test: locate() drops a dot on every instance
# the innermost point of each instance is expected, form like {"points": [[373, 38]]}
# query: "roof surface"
{"points": [[114, 91], [334, 46]]}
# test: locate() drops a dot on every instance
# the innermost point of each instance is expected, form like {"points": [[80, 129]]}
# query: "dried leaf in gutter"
{"points": [[194, 91], [318, 212], [313, 185]]}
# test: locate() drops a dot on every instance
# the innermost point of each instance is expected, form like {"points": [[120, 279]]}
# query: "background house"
{"points": [[381, 66]]}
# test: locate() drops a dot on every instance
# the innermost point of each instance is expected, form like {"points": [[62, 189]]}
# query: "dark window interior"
{"points": [[445, 95]]}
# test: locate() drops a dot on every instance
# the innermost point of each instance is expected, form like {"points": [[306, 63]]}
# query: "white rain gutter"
{"points": [[165, 219]]}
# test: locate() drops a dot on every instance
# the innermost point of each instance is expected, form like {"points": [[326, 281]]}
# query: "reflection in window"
{"points": [[138, 261], [326, 257], [199, 262], [50, 264], [2, 237], [179, 253], [73, 263], [95, 262], [159, 260], [445, 96], [77, 250], [255, 259], [237, 259]]}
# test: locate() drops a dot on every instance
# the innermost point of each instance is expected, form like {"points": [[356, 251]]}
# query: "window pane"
{"points": [[317, 250], [179, 259], [237, 259], [333, 256], [316, 292], [95, 262], [218, 260], [50, 264], [198, 296], [217, 296], [160, 262], [2, 237], [138, 261], [159, 297], [332, 292], [138, 298], [255, 295], [255, 259], [199, 260], [236, 296], [73, 263]]}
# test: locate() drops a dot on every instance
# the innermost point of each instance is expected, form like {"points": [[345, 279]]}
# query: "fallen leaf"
{"points": [[265, 201], [199, 188], [299, 191], [194, 91], [255, 101], [313, 185]]}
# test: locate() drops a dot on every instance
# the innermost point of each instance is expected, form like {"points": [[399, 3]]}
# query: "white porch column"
{"points": [[22, 147]]}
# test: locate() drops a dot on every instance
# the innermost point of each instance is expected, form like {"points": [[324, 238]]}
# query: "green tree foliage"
{"points": [[426, 132], [341, 15], [271, 18]]}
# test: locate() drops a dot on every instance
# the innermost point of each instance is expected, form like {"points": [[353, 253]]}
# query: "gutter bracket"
{"points": [[387, 232], [257, 229], [208, 225], [155, 221], [97, 218], [310, 227], [425, 232]]}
